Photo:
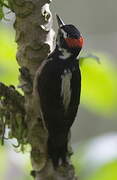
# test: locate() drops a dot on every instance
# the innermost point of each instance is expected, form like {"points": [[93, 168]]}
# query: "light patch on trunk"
{"points": [[66, 88]]}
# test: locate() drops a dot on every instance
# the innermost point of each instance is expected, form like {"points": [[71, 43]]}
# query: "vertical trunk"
{"points": [[35, 37]]}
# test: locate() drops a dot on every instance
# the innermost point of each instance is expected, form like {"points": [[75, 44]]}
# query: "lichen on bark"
{"points": [[35, 39]]}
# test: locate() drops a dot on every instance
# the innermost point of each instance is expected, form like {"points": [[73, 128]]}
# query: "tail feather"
{"points": [[57, 150]]}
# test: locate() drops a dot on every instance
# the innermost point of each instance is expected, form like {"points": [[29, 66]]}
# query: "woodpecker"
{"points": [[59, 87]]}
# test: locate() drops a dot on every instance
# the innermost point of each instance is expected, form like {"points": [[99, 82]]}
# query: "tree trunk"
{"points": [[35, 39]]}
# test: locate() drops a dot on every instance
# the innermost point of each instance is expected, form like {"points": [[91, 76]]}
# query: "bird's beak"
{"points": [[60, 21]]}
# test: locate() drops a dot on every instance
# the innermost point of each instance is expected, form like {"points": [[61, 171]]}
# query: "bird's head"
{"points": [[69, 37]]}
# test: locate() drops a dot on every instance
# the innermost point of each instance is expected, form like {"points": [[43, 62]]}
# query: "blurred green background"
{"points": [[94, 136]]}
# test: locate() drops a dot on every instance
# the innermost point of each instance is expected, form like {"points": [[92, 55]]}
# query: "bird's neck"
{"points": [[64, 53]]}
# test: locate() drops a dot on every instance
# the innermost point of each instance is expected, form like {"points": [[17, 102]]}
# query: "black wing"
{"points": [[49, 88], [58, 122]]}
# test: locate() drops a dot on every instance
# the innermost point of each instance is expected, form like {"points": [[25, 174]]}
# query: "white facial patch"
{"points": [[65, 54], [66, 88]]}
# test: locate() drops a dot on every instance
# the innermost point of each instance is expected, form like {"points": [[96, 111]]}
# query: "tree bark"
{"points": [[35, 40]]}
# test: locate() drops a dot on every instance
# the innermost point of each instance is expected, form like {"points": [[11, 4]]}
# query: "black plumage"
{"points": [[59, 87]]}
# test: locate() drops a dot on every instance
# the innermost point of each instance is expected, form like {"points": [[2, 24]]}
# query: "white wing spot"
{"points": [[65, 88]]}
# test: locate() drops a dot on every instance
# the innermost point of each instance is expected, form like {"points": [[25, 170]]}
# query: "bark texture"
{"points": [[35, 39]]}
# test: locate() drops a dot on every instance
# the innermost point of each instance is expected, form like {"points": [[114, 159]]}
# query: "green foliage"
{"points": [[8, 64], [3, 3], [96, 159], [99, 85], [18, 159], [1, 12], [106, 172]]}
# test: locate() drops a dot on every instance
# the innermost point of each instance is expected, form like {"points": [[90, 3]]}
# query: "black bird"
{"points": [[59, 87]]}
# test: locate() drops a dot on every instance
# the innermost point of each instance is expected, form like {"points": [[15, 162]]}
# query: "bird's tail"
{"points": [[57, 149]]}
